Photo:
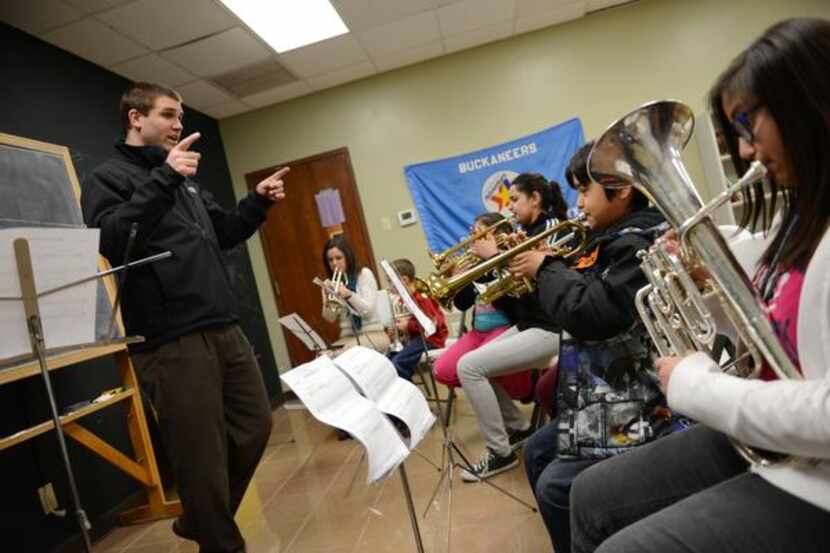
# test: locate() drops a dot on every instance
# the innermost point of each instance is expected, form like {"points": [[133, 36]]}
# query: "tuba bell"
{"points": [[643, 150]]}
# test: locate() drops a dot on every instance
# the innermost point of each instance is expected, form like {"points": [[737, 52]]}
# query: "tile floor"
{"points": [[309, 495]]}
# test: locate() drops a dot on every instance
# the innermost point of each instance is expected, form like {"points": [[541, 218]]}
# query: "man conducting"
{"points": [[196, 366]]}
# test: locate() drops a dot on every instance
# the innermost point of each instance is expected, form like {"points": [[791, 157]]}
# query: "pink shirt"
{"points": [[782, 311]]}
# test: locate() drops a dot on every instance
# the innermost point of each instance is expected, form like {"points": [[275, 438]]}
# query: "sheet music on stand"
{"points": [[303, 331], [59, 255], [332, 398], [333, 293], [426, 323], [375, 377]]}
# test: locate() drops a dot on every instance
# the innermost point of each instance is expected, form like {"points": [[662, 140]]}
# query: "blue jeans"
{"points": [[689, 492], [408, 358], [550, 479]]}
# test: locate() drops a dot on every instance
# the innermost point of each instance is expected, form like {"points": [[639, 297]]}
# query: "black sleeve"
{"points": [[594, 305], [465, 298], [238, 224], [111, 203]]}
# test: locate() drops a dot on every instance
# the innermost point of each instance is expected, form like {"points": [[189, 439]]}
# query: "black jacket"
{"points": [[526, 312], [597, 302], [191, 289]]}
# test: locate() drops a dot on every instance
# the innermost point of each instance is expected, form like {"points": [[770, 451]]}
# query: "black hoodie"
{"points": [[190, 290], [595, 299]]}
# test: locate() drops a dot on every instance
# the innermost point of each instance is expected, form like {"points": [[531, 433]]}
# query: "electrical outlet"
{"points": [[48, 499]]}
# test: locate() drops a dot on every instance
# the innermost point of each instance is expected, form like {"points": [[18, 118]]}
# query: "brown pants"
{"points": [[215, 420]]}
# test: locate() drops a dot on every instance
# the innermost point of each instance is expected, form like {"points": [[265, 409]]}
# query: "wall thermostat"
{"points": [[407, 217]]}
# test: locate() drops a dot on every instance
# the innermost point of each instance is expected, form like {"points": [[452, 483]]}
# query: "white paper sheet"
{"points": [[333, 399], [426, 323], [303, 331], [59, 256], [376, 378]]}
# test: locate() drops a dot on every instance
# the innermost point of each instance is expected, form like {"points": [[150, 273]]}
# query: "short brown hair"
{"points": [[404, 267], [142, 96]]}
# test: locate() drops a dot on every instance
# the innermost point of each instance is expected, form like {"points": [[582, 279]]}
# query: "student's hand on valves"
{"points": [[273, 187], [181, 159], [665, 367], [402, 323], [526, 264], [697, 271], [485, 247], [344, 292]]}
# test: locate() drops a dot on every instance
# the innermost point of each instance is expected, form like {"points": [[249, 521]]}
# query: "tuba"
{"points": [[643, 149], [444, 288]]}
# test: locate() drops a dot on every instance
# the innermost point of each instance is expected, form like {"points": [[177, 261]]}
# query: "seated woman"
{"points": [[489, 322], [692, 492], [360, 291]]}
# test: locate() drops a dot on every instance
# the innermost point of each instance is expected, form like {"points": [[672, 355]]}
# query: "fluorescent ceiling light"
{"points": [[289, 24]]}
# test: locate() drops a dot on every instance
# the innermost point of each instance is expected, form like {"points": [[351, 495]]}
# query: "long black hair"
{"points": [[787, 71], [339, 241], [553, 203]]}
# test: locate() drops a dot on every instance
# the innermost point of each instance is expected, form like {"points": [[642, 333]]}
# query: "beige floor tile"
{"points": [[309, 495]]}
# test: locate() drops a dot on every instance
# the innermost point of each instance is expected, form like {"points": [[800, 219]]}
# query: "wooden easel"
{"points": [[143, 468]]}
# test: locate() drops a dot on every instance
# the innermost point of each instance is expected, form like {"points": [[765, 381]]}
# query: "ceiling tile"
{"points": [[95, 6], [227, 109], [227, 51], [472, 14], [38, 16], [201, 94], [529, 8], [254, 78], [163, 24], [94, 41], [594, 5], [324, 57], [341, 76], [401, 34], [409, 56], [568, 12], [477, 37], [360, 15], [154, 69], [280, 94]]}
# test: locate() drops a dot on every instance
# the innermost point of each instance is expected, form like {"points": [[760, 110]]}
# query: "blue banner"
{"points": [[449, 193]]}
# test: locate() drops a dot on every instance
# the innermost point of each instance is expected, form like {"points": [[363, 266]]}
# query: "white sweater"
{"points": [[788, 416], [363, 300]]}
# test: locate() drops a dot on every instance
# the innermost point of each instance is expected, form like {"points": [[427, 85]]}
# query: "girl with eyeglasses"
{"points": [[692, 492]]}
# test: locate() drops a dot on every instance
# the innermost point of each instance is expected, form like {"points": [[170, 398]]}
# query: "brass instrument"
{"points": [[458, 258], [338, 278], [643, 149], [444, 288], [399, 311]]}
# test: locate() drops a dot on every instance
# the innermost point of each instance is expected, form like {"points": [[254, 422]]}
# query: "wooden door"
{"points": [[293, 238]]}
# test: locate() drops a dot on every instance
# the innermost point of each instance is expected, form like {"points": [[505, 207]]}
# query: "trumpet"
{"points": [[643, 149], [458, 258], [338, 278], [444, 289], [399, 311]]}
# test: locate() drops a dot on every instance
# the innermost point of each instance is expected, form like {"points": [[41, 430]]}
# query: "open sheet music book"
{"points": [[352, 392], [426, 323]]}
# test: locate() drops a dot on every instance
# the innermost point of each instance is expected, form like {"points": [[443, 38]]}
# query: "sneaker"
{"points": [[489, 465], [519, 437]]}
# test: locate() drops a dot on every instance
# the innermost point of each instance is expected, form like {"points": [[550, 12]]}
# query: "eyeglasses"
{"points": [[742, 123]]}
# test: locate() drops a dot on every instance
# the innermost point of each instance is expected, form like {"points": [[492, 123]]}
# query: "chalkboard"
{"points": [[39, 187]]}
